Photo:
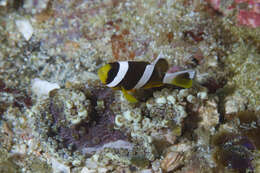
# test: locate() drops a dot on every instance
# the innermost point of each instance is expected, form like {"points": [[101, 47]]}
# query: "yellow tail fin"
{"points": [[182, 82], [181, 78]]}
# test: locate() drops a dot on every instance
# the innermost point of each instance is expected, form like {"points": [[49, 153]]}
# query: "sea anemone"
{"points": [[71, 120]]}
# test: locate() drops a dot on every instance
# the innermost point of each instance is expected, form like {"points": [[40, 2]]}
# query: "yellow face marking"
{"points": [[103, 73]]}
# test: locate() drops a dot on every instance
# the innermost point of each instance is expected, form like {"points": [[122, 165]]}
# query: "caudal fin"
{"points": [[181, 78]]}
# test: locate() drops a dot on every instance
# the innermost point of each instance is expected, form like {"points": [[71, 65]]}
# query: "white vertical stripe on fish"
{"points": [[148, 72], [123, 68], [145, 77]]}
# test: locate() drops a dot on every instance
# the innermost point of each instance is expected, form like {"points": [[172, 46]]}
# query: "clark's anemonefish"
{"points": [[131, 75]]}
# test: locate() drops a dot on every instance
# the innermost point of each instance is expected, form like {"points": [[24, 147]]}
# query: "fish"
{"points": [[128, 76]]}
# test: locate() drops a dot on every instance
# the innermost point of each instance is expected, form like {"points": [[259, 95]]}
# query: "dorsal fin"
{"points": [[161, 64]]}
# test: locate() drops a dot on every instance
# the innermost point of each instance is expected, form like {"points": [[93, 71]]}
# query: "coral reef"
{"points": [[56, 117]]}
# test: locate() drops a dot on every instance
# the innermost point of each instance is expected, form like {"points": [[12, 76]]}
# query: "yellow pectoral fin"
{"points": [[182, 82], [129, 97]]}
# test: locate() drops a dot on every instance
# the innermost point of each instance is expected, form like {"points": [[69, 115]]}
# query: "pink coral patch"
{"points": [[247, 18]]}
